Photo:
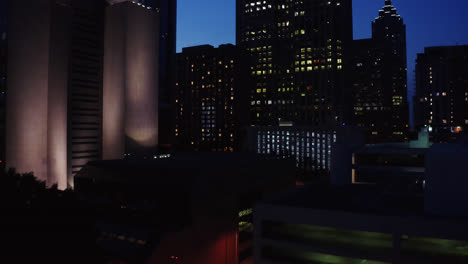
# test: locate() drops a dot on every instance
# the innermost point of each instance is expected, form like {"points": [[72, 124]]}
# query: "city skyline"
{"points": [[436, 24], [274, 134]]}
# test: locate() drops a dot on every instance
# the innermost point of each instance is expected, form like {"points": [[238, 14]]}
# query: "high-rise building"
{"points": [[56, 119], [380, 79], [371, 109], [130, 105], [311, 147], [167, 69], [3, 72], [441, 100], [167, 10], [53, 115], [208, 98], [84, 81], [297, 56]]}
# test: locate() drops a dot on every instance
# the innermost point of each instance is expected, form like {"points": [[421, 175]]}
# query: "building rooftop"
{"points": [[358, 198], [195, 160], [397, 148], [188, 169]]}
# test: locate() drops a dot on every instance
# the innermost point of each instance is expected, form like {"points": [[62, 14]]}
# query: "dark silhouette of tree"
{"points": [[43, 224]]}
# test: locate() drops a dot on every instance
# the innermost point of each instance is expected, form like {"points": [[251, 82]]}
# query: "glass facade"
{"points": [[296, 53], [311, 148]]}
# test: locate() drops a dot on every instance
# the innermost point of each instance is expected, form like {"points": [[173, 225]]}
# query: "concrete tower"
{"points": [[54, 108], [59, 115], [130, 94], [36, 133]]}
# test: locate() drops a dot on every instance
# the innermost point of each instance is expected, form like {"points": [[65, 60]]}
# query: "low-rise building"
{"points": [[373, 223], [388, 163], [355, 224], [188, 208]]}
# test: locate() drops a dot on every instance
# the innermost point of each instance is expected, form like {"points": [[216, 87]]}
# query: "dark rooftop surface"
{"points": [[199, 160], [363, 198], [189, 169]]}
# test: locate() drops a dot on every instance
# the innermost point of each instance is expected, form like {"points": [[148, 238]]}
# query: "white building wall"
{"points": [[130, 95], [37, 91]]}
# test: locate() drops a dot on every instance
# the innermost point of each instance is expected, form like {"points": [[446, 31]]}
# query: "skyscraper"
{"points": [[53, 115], [208, 98], [130, 106], [441, 99], [56, 119], [3, 72], [167, 68], [380, 78], [167, 10], [298, 53], [86, 42]]}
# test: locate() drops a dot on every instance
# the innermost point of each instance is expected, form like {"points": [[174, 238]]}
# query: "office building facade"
{"points": [[357, 225], [3, 75], [297, 53], [192, 216], [378, 223], [380, 79], [84, 106], [167, 23], [167, 10], [130, 106], [309, 146], [56, 116], [208, 99], [441, 100], [53, 116], [167, 70]]}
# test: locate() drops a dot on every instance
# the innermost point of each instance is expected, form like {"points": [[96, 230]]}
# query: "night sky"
{"points": [[428, 22]]}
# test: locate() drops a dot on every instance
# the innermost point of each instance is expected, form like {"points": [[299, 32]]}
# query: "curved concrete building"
{"points": [[36, 133], [130, 93], [54, 100]]}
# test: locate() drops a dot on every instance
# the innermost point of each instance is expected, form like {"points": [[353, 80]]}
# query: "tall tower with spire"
{"points": [[380, 78], [389, 31]]}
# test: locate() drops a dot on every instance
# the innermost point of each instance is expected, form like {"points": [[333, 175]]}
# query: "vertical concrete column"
{"points": [[57, 121], [130, 96], [142, 80], [396, 248], [28, 78], [113, 134]]}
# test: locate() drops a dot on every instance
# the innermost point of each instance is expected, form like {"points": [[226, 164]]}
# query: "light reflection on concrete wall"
{"points": [[36, 132], [130, 110]]}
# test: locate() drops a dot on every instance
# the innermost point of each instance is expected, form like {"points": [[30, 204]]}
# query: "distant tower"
{"points": [[297, 57], [208, 99], [442, 90], [130, 94], [389, 30], [380, 79]]}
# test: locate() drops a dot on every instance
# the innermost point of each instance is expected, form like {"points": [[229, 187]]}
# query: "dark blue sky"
{"points": [[428, 22]]}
